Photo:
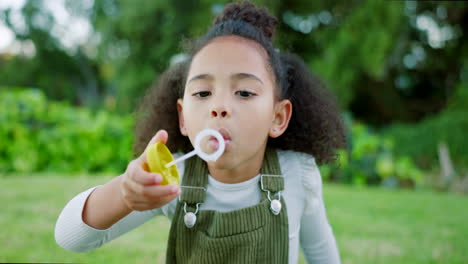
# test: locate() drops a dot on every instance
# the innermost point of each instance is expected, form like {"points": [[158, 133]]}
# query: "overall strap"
{"points": [[195, 181], [271, 178]]}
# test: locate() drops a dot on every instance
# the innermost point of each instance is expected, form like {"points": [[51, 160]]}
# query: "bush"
{"points": [[38, 135], [420, 141], [371, 160]]}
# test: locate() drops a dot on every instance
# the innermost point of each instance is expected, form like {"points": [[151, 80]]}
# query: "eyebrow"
{"points": [[236, 76]]}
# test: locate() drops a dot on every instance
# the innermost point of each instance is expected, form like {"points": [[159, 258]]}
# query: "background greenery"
{"points": [[38, 135], [395, 66], [398, 68]]}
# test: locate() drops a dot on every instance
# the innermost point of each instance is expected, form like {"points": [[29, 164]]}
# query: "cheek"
{"points": [[194, 118], [258, 118], [190, 119]]}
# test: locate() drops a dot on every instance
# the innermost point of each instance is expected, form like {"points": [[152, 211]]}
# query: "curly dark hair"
{"points": [[315, 127]]}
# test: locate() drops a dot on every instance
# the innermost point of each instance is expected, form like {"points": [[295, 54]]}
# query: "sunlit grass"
{"points": [[371, 225]]}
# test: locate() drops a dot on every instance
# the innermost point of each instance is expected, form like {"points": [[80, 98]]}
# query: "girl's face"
{"points": [[230, 89]]}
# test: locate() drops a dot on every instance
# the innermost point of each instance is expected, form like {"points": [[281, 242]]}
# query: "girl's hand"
{"points": [[141, 190]]}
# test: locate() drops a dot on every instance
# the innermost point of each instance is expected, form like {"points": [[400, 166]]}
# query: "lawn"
{"points": [[371, 225]]}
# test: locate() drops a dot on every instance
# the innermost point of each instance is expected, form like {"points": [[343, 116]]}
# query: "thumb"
{"points": [[161, 136]]}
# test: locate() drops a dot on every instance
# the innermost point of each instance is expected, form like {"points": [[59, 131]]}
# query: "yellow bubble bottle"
{"points": [[157, 156]]}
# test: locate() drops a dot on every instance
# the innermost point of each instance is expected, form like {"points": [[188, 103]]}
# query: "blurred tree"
{"points": [[397, 65], [385, 60], [391, 62], [138, 41], [61, 73]]}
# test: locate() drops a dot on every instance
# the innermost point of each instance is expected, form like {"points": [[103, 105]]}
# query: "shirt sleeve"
{"points": [[316, 235]]}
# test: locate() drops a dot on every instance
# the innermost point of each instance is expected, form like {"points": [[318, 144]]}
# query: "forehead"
{"points": [[231, 54]]}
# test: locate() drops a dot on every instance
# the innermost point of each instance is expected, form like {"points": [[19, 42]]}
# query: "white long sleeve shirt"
{"points": [[308, 224]]}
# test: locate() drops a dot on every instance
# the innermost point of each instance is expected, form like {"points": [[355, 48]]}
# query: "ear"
{"points": [[180, 112], [282, 115]]}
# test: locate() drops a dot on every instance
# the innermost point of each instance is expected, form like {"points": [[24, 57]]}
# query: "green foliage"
{"points": [[138, 41], [63, 73], [372, 160], [376, 56], [360, 46], [40, 135], [421, 141]]}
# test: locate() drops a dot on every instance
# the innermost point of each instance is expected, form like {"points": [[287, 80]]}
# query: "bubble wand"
{"points": [[198, 150], [160, 160]]}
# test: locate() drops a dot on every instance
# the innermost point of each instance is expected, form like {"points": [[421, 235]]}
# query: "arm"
{"points": [[105, 205], [100, 214], [316, 235], [74, 234], [97, 216]]}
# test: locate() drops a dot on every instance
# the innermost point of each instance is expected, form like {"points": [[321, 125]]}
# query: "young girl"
{"points": [[263, 196]]}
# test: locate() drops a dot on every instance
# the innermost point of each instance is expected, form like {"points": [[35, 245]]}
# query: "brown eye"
{"points": [[202, 94], [244, 94]]}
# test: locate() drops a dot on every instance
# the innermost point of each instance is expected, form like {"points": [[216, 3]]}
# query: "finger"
{"points": [[167, 199], [155, 202], [161, 136], [163, 201], [145, 167], [159, 191], [141, 176], [145, 205]]}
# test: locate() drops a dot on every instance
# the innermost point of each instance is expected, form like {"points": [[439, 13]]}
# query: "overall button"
{"points": [[190, 219], [275, 207]]}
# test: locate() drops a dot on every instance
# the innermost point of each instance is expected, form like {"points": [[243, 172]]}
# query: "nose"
{"points": [[220, 104], [219, 112], [220, 109]]}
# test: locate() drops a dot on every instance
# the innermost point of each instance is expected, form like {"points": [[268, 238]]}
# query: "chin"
{"points": [[223, 163]]}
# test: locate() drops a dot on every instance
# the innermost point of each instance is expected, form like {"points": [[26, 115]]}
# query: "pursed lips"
{"points": [[226, 136], [225, 133]]}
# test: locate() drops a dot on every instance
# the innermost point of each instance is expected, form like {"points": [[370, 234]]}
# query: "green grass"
{"points": [[371, 225]]}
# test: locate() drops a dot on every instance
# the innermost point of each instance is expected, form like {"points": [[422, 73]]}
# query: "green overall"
{"points": [[249, 235]]}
